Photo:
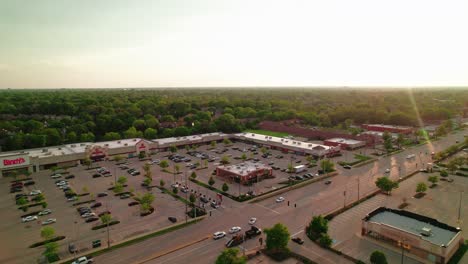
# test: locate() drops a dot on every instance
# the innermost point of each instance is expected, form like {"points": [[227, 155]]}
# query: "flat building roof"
{"points": [[436, 232], [244, 168], [345, 141]]}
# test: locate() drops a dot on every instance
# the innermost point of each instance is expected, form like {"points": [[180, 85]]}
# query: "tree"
{"points": [[327, 166], [386, 185], [141, 155], [47, 232], [192, 198], [50, 252], [122, 180], [147, 169], [229, 256], [147, 198], [163, 164], [118, 188], [264, 150], [118, 158], [400, 140], [421, 187], [211, 181], [377, 257], [22, 201], [176, 168], [147, 181], [105, 219], [151, 133], [175, 190], [226, 141], [173, 149], [317, 226], [433, 179], [111, 136], [87, 162], [387, 138], [325, 241], [213, 144], [290, 167], [161, 183], [277, 237], [224, 160], [225, 187], [443, 173], [193, 175], [243, 157]]}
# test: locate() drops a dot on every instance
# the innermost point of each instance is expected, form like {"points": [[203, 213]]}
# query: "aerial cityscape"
{"points": [[227, 132]]}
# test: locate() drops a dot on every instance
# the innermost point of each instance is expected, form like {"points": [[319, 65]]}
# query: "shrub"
{"points": [[47, 241], [325, 241], [105, 225]]}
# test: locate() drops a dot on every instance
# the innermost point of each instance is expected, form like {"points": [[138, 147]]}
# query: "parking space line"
{"points": [[267, 208], [297, 233]]}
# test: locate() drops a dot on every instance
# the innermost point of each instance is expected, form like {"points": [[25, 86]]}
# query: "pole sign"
{"points": [[14, 161]]}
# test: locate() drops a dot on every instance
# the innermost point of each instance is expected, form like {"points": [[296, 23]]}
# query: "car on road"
{"points": [[35, 192], [298, 240], [71, 176], [328, 182], [347, 167], [234, 229], [91, 219], [49, 221], [96, 205], [219, 234], [252, 221], [29, 218], [72, 248], [299, 178], [280, 199], [387, 171], [83, 260], [45, 212], [101, 194]]}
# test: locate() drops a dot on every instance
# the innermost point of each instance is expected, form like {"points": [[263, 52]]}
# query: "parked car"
{"points": [[86, 215], [203, 199], [135, 173], [35, 192], [45, 212], [101, 194], [218, 235], [446, 179], [328, 182], [49, 221], [125, 196], [16, 184], [29, 183], [133, 203], [387, 171], [298, 240], [29, 218], [56, 176], [96, 205], [172, 219], [347, 167], [214, 204], [252, 220], [299, 178], [70, 176], [234, 229], [15, 190], [72, 199], [280, 199], [96, 175], [91, 219]]}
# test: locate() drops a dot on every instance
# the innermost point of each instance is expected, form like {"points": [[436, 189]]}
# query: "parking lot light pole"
{"points": [[186, 196]]}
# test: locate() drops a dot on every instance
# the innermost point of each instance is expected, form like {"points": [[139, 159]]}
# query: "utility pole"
{"points": [[459, 207]]}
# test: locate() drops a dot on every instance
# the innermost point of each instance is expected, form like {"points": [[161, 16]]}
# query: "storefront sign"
{"points": [[14, 161]]}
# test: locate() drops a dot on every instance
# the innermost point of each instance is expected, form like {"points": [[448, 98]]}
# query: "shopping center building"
{"points": [[245, 172]]}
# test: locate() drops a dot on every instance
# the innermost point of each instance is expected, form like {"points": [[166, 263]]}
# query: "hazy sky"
{"points": [[143, 43]]}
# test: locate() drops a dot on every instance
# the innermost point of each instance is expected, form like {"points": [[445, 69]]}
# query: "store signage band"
{"points": [[14, 161]]}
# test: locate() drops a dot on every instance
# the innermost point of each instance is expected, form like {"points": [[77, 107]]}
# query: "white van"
{"points": [[410, 156]]}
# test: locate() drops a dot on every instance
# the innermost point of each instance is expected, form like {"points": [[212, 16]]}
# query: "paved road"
{"points": [[310, 200]]}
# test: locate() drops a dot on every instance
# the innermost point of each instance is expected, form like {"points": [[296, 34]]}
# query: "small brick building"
{"points": [[245, 173]]}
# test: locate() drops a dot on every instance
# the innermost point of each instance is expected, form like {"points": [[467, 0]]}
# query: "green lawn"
{"points": [[267, 133]]}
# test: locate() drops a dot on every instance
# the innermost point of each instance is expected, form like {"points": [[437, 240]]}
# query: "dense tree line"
{"points": [[37, 118]]}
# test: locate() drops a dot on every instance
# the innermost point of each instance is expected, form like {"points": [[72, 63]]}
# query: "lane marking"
{"points": [[297, 233], [179, 255], [267, 208]]}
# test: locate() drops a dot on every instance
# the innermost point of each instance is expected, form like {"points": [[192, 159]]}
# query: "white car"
{"points": [[155, 161], [280, 199], [73, 198], [45, 212], [88, 215], [252, 220], [234, 229], [49, 221], [218, 235], [83, 260], [387, 171], [61, 183], [63, 186], [35, 192], [29, 218], [55, 176]]}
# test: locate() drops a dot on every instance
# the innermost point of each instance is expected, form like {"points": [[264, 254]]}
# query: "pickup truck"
{"points": [[83, 260], [235, 240]]}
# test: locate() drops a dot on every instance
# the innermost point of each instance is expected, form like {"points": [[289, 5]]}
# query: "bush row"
{"points": [[105, 225], [25, 207], [47, 241], [83, 202]]}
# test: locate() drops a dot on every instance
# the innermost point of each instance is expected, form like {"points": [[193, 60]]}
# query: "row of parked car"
{"points": [[30, 218], [87, 213], [17, 186]]}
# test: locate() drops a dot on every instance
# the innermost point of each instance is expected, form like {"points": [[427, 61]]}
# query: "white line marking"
{"points": [[181, 254], [268, 208], [297, 233]]}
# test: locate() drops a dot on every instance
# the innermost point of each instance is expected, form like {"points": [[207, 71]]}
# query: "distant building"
{"points": [[424, 238], [388, 128], [345, 143], [246, 172]]}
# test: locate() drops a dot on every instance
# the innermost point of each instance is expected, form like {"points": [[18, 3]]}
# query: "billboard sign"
{"points": [[14, 161]]}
